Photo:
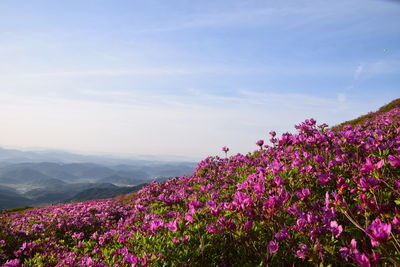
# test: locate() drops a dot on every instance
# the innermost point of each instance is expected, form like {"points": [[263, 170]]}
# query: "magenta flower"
{"points": [[156, 224], [378, 231], [302, 252], [225, 149], [273, 247], [319, 158], [12, 263], [173, 225], [278, 181], [282, 235], [353, 246], [132, 259], [78, 235], [396, 221], [336, 229], [248, 225], [394, 161], [376, 256], [189, 217], [260, 143], [211, 229], [87, 261], [123, 251], [362, 260], [369, 166], [304, 193]]}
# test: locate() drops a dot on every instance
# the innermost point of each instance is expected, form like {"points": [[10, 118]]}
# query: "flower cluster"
{"points": [[319, 196]]}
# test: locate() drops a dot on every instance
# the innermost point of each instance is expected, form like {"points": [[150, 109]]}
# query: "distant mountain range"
{"points": [[38, 183], [8, 156]]}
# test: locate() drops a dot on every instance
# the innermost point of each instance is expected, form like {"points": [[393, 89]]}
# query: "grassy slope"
{"points": [[370, 116]]}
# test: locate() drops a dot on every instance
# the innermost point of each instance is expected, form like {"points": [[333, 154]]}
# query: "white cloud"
{"points": [[358, 72]]}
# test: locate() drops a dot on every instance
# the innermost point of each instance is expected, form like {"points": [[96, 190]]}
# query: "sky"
{"points": [[184, 78]]}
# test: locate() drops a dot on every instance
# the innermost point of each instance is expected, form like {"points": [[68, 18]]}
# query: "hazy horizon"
{"points": [[184, 78]]}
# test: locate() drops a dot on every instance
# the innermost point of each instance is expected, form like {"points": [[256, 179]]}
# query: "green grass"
{"points": [[370, 116]]}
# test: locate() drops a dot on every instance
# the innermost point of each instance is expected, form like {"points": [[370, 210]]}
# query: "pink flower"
{"points": [[78, 235], [394, 161], [282, 235], [189, 217], [396, 221], [248, 225], [123, 251], [87, 261], [225, 149], [132, 259], [156, 224], [260, 143], [302, 251], [376, 256], [173, 225], [278, 181], [362, 260], [336, 229], [304, 193], [378, 232], [369, 166], [319, 158], [210, 228], [273, 247], [12, 263]]}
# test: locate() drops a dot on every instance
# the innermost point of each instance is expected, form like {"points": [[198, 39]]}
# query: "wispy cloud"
{"points": [[105, 72], [358, 72]]}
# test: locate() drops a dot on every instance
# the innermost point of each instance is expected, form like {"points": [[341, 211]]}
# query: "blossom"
{"points": [[378, 231], [273, 247], [173, 225], [282, 234], [248, 225], [393, 160], [376, 256], [211, 228], [302, 252], [303, 193], [225, 149], [12, 263], [132, 259], [87, 261], [189, 217], [78, 235], [336, 229], [260, 143], [362, 259]]}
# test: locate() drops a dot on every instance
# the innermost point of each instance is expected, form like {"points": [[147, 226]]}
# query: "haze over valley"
{"points": [[38, 183]]}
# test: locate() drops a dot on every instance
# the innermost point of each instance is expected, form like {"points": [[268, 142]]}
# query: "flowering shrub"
{"points": [[317, 197]]}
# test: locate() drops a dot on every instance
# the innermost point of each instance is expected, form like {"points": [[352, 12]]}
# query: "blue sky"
{"points": [[188, 77]]}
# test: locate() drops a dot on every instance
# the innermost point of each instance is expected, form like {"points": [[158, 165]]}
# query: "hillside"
{"points": [[46, 183], [371, 115], [102, 193], [9, 198], [320, 197]]}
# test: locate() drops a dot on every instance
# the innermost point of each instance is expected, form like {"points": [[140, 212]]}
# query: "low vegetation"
{"points": [[320, 197]]}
